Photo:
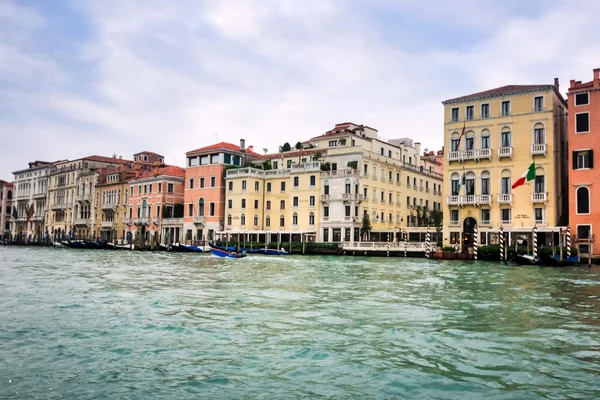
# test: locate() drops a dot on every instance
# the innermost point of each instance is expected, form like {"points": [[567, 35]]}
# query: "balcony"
{"points": [[470, 155], [128, 221], [141, 221], [325, 197], [199, 219], [539, 197], [37, 218], [541, 222], [539, 149], [352, 197], [82, 221], [398, 183], [505, 199], [434, 192], [108, 224], [172, 221], [61, 206], [109, 206], [350, 219], [426, 190], [421, 188], [485, 222], [506, 222], [341, 172], [239, 172], [39, 195], [454, 223], [84, 197], [505, 152], [473, 200]]}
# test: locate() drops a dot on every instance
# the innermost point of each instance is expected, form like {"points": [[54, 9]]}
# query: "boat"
{"points": [[58, 245], [555, 261], [124, 246], [274, 252], [94, 244], [194, 249], [527, 259], [227, 254]]}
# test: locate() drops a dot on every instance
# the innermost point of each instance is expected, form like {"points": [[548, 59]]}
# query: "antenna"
{"points": [[265, 150], [216, 137]]}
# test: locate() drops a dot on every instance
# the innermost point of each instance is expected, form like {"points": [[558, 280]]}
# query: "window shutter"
{"points": [[591, 152], [574, 156]]}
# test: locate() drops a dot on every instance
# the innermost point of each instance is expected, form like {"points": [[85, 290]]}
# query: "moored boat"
{"points": [[274, 252], [527, 259], [555, 261], [226, 254]]}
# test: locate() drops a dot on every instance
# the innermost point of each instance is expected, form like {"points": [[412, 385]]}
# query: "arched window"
{"points": [[295, 219], [485, 139], [454, 188], [282, 221], [505, 137], [311, 219], [9, 195], [539, 134], [470, 140], [144, 209], [505, 184], [229, 219], [583, 200], [243, 220], [540, 181], [470, 183], [268, 221], [485, 183], [255, 220], [454, 141], [326, 187], [201, 207], [348, 185]]}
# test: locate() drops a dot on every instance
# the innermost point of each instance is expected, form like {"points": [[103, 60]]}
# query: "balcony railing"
{"points": [[61, 206], [109, 206], [505, 199], [128, 221], [539, 149], [199, 219], [350, 219], [539, 197], [39, 195], [506, 222], [340, 172], [485, 222], [37, 218], [470, 200], [470, 155], [454, 223], [541, 222], [505, 152], [82, 221], [141, 221], [107, 224], [325, 197], [83, 197], [172, 221], [352, 197]]}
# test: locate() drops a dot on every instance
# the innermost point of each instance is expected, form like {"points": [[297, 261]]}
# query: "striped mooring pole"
{"points": [[388, 244], [427, 243], [502, 243], [405, 243], [568, 242], [535, 244], [475, 243]]}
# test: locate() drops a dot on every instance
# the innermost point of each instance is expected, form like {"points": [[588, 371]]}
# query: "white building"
{"points": [[31, 200]]}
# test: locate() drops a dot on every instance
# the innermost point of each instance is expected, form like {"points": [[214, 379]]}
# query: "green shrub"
{"points": [[448, 248]]}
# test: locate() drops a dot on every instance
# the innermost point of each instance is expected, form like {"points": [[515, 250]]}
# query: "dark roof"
{"points": [[500, 91], [149, 153], [106, 159]]}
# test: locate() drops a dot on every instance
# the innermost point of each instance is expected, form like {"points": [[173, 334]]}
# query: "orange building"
{"points": [[584, 140], [155, 212], [205, 187]]}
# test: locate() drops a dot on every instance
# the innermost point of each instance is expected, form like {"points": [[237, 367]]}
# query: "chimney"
{"points": [[572, 84], [556, 83], [418, 147], [596, 77], [250, 148], [242, 145]]}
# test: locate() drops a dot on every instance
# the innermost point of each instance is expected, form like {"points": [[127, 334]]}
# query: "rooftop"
{"points": [[296, 153], [224, 146], [500, 91], [167, 170]]}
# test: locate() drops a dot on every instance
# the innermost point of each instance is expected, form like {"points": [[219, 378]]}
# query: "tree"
{"points": [[343, 141], [317, 156], [298, 145], [326, 167], [366, 226], [286, 147], [436, 219], [267, 165], [352, 164]]}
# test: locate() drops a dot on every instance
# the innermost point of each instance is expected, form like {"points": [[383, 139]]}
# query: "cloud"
{"points": [[165, 77]]}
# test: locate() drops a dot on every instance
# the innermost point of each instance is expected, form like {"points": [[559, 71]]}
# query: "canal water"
{"points": [[100, 324]]}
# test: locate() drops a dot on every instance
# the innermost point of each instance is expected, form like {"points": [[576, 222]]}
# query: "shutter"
{"points": [[574, 156], [591, 152]]}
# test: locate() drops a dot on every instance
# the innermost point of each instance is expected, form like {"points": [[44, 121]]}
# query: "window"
{"points": [[282, 221], [268, 187], [347, 186], [470, 184], [454, 142], [243, 204], [326, 211], [538, 134], [332, 143], [583, 200], [295, 201], [538, 103], [505, 215], [268, 221], [243, 185], [539, 186], [201, 182], [295, 219], [311, 201], [190, 210], [505, 138], [150, 188], [505, 185], [583, 231], [296, 181], [581, 99], [243, 220], [485, 215], [313, 180], [282, 205], [454, 216], [348, 211], [485, 139], [282, 187], [256, 204], [582, 122], [191, 183], [311, 219], [505, 107], [268, 204], [256, 186], [470, 112], [366, 169], [213, 181], [159, 187], [230, 186], [382, 196], [211, 209], [485, 183], [455, 114], [326, 188], [470, 143], [539, 215], [170, 188], [275, 164], [583, 159], [256, 220], [485, 111], [382, 151]]}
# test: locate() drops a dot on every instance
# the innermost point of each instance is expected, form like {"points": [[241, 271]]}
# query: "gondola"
{"points": [[92, 244], [555, 261], [527, 259], [227, 254], [274, 252]]}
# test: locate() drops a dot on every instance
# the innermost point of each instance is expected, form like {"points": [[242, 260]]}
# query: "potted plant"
{"points": [[448, 252]]}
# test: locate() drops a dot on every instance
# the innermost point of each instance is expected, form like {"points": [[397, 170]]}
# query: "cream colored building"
{"points": [[31, 192], [506, 129]]}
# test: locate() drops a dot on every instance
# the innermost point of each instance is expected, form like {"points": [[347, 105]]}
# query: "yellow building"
{"points": [[325, 189], [505, 130]]}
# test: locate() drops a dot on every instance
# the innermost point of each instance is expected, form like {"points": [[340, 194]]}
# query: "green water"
{"points": [[79, 324]]}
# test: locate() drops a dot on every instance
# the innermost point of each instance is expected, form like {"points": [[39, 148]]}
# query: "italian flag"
{"points": [[527, 176]]}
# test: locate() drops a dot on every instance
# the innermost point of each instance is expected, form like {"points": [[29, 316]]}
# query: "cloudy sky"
{"points": [[96, 77]]}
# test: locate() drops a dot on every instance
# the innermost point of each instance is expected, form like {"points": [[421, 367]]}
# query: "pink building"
{"points": [[6, 199]]}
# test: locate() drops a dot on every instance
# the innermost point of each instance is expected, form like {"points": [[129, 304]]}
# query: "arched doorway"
{"points": [[468, 228]]}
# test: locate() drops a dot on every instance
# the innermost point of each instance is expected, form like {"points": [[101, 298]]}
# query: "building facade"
{"points": [[492, 137], [156, 200], [6, 207], [31, 192], [584, 177], [205, 187]]}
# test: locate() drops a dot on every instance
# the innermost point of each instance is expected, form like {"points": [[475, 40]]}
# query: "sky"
{"points": [[108, 77]]}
